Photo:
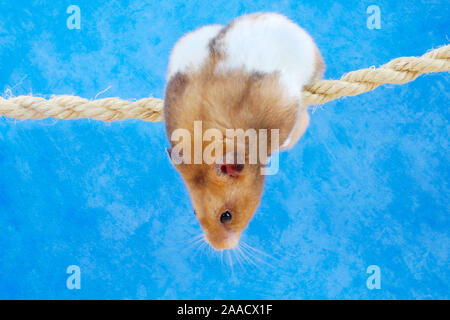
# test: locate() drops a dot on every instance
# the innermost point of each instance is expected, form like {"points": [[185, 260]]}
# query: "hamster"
{"points": [[248, 74]]}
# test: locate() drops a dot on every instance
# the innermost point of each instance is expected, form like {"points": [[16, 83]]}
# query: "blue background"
{"points": [[368, 184]]}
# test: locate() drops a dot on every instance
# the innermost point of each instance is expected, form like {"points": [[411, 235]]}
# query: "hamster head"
{"points": [[225, 198], [225, 194]]}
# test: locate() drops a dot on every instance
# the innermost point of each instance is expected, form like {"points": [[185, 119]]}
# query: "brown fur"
{"points": [[232, 100]]}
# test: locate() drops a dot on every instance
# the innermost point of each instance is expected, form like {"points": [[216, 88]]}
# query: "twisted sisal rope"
{"points": [[397, 71]]}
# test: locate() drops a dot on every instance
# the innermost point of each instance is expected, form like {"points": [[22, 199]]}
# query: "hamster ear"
{"points": [[231, 164]]}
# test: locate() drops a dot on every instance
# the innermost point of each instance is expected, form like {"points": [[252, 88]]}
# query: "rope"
{"points": [[397, 71]]}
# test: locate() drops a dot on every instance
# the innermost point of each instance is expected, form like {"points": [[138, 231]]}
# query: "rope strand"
{"points": [[397, 71]]}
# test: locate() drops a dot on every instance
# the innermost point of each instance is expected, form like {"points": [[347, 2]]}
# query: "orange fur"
{"points": [[229, 100]]}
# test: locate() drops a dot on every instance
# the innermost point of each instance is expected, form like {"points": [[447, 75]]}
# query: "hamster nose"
{"points": [[229, 241]]}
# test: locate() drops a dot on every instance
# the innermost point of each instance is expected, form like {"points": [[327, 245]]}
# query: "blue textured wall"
{"points": [[367, 185]]}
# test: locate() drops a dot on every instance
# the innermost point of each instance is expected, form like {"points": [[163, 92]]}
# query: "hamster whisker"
{"points": [[196, 238], [230, 262], [247, 261], [245, 253], [253, 253], [200, 248], [238, 257], [194, 242], [204, 247], [259, 251], [245, 256], [210, 250], [253, 258]]}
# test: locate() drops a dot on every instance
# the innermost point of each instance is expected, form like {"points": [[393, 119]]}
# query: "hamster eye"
{"points": [[195, 213], [225, 217]]}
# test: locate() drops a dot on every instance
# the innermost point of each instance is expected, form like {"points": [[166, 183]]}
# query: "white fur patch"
{"points": [[191, 51], [267, 43]]}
